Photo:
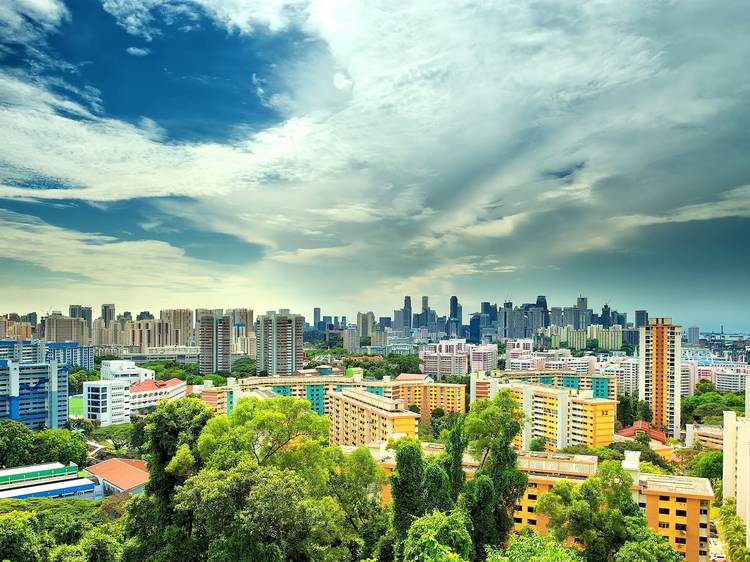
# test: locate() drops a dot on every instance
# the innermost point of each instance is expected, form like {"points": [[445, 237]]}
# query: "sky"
{"points": [[301, 153]]}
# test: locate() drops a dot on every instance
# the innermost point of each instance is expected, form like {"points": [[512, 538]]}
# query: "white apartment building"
{"points": [[626, 371], [447, 357], [107, 401], [123, 369], [736, 473], [515, 348]]}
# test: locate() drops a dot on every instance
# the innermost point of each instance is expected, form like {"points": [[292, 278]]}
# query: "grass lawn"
{"points": [[75, 406]]}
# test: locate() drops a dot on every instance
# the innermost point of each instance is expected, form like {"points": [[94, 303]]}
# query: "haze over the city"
{"points": [[212, 153]]}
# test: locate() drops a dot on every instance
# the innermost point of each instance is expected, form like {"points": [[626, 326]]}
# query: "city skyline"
{"points": [[300, 154]]}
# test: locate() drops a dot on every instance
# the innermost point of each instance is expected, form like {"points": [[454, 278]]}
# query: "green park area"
{"points": [[75, 406]]}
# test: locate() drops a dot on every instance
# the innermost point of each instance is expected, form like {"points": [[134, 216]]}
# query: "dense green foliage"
{"points": [[20, 446], [707, 405], [531, 547], [732, 531], [601, 514], [630, 410], [68, 530], [391, 366]]}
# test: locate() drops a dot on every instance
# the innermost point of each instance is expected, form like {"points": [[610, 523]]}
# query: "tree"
{"points": [[16, 444], [98, 545], [491, 427], [436, 489], [709, 464], [600, 512], [19, 541], [414, 408], [477, 503], [60, 445], [650, 468], [406, 487], [77, 378], [438, 537], [120, 434], [453, 462], [643, 411], [172, 424], [355, 482], [281, 431], [704, 386], [537, 444], [647, 546], [643, 438], [527, 546]]}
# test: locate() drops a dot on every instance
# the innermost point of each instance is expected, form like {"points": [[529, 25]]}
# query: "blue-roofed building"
{"points": [[35, 394], [50, 480], [72, 354]]}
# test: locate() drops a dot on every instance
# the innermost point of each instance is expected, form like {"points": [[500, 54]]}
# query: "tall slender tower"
{"points": [[215, 342], [108, 314], [407, 313], [660, 371]]}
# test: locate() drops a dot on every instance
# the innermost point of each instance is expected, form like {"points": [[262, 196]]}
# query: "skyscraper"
{"points": [[108, 314], [453, 307], [641, 318], [279, 342], [694, 335], [59, 328], [215, 342], [316, 318], [79, 311], [365, 324], [407, 313], [660, 370], [144, 315]]}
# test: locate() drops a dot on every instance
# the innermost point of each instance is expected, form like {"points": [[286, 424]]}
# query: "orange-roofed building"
{"points": [[148, 393], [643, 426], [116, 476]]}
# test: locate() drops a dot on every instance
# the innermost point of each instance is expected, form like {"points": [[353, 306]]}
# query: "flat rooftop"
{"points": [[688, 485]]}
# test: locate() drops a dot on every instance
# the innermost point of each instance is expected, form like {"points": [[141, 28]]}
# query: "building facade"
{"points": [[107, 401], [280, 350], [35, 394], [72, 354], [736, 469], [359, 417], [215, 343], [660, 372]]}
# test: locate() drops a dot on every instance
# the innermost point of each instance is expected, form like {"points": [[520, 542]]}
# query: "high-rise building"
{"points": [[365, 324], [71, 354], [316, 318], [180, 321], [694, 335], [660, 372], [79, 311], [215, 343], [35, 394], [143, 334], [108, 314], [279, 349], [736, 472], [144, 315], [641, 318], [59, 328], [407, 313]]}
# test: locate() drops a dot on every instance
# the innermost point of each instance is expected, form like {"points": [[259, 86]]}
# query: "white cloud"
{"points": [[137, 51], [412, 131], [20, 18]]}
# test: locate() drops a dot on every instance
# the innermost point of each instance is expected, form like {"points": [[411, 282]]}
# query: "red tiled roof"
{"points": [[151, 385], [644, 426], [125, 474]]}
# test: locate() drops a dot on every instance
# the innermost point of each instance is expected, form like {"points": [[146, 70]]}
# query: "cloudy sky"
{"points": [[159, 153]]}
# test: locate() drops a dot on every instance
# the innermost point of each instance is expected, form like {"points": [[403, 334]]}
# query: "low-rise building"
{"points": [[147, 394], [359, 417], [116, 476], [49, 480], [122, 369]]}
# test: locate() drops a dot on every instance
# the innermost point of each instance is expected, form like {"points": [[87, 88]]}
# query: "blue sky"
{"points": [[326, 153]]}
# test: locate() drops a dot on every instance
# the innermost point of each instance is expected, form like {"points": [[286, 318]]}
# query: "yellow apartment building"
{"points": [[359, 417]]}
